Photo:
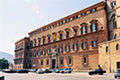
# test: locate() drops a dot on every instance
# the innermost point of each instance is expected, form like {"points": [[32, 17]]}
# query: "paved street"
{"points": [[56, 76]]}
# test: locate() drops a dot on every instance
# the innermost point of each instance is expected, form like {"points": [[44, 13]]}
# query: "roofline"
{"points": [[69, 16], [21, 40]]}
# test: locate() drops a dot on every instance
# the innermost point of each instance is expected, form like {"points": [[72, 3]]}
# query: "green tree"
{"points": [[4, 64]]}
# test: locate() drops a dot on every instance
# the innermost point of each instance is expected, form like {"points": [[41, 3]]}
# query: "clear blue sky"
{"points": [[18, 17]]}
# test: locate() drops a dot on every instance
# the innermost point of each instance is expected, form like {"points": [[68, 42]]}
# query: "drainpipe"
{"points": [[109, 57]]}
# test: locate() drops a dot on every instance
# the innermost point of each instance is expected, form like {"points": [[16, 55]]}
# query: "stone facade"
{"points": [[68, 42], [109, 55], [21, 52]]}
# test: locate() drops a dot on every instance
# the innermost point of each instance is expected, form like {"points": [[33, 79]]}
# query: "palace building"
{"points": [[71, 42]]}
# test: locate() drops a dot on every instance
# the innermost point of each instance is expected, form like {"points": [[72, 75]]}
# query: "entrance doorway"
{"points": [[53, 63], [118, 64]]}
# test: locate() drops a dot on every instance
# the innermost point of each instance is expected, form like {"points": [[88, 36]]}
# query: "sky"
{"points": [[18, 17]]}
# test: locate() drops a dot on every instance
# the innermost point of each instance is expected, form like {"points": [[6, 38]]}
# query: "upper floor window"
{"points": [[84, 30], [115, 37], [75, 47], [92, 10], [117, 47], [43, 52], [34, 42], [44, 40], [113, 4], [67, 20], [84, 45], [48, 39], [75, 17], [39, 41], [54, 37], [94, 27], [54, 25], [60, 50], [38, 53], [60, 23], [113, 21], [94, 43], [67, 48], [35, 33], [49, 27], [43, 29], [75, 30], [67, 34], [34, 54], [48, 51], [40, 31], [83, 13], [61, 36], [31, 44]]}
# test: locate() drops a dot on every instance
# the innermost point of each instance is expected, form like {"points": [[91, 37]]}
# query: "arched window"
{"points": [[84, 45], [85, 60], [106, 48], [31, 44], [113, 21], [60, 50], [39, 41], [94, 43], [67, 34], [61, 36], [48, 51], [43, 40], [33, 53], [94, 26], [69, 60], [48, 38], [47, 62], [83, 28], [67, 48], [117, 47], [115, 37], [34, 42], [75, 47], [54, 37], [43, 52], [61, 61], [38, 53], [75, 28], [41, 62]]}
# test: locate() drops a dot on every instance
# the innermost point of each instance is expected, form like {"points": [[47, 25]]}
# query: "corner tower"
{"points": [[113, 16]]}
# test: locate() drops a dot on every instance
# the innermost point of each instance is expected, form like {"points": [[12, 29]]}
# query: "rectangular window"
{"points": [[67, 20], [75, 17], [82, 14], [75, 47], [41, 62], [61, 23], [61, 61], [93, 10], [67, 48], [94, 43], [47, 62], [43, 29], [54, 25], [49, 27]]}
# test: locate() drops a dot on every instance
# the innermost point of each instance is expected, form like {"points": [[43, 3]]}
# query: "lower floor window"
{"points": [[69, 60], [61, 61]]}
